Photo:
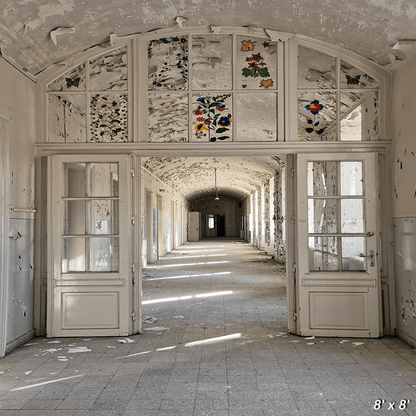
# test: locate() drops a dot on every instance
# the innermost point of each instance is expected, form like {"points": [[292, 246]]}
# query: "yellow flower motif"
{"points": [[266, 83], [200, 127], [247, 45]]}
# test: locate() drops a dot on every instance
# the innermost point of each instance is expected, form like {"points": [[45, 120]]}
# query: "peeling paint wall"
{"points": [[404, 209], [21, 278], [18, 106], [279, 216]]}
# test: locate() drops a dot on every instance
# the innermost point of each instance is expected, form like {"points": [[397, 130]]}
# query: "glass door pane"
{"points": [[90, 229], [336, 220]]}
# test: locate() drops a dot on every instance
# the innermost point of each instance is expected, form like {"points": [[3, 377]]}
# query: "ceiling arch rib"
{"points": [[194, 177]]}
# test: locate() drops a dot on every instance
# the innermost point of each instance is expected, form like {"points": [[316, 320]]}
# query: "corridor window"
{"points": [[211, 222]]}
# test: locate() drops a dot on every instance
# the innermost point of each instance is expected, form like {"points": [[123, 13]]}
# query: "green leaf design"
{"points": [[222, 130], [247, 72], [223, 137], [263, 72]]}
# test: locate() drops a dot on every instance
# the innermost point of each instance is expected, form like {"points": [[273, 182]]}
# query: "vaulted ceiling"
{"points": [[194, 177], [377, 29]]}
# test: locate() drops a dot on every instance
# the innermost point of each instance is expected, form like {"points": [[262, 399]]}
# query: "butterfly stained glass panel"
{"points": [[73, 80], [352, 77]]}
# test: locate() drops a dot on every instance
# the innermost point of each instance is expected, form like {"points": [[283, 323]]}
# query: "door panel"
{"points": [[89, 283], [193, 230], [338, 288]]}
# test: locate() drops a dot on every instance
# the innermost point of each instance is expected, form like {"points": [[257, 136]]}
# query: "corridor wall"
{"points": [[404, 205], [17, 110], [169, 217]]}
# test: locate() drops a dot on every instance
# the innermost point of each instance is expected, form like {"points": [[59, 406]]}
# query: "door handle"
{"points": [[371, 256]]}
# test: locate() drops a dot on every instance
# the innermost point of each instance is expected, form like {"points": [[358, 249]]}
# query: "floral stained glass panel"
{"points": [[168, 118], [256, 115], [211, 62], [256, 63], [168, 63], [212, 118], [317, 116], [109, 72], [109, 118], [315, 69]]}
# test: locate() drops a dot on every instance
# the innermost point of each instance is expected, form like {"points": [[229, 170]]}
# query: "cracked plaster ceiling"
{"points": [[368, 27], [194, 177]]}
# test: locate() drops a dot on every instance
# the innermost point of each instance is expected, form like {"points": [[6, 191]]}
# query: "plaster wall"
{"points": [[18, 107], [404, 206], [161, 208]]}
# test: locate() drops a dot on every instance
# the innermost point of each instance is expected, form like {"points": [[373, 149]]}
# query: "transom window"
{"points": [[236, 85]]}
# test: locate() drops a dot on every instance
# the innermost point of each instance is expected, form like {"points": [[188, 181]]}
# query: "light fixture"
{"points": [[217, 198]]}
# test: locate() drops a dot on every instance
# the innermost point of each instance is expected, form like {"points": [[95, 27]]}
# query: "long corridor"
{"points": [[215, 342]]}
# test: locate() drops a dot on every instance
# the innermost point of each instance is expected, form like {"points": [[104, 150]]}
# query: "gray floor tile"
{"points": [[260, 373]]}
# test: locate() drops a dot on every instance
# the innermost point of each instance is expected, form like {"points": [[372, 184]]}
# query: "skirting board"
{"points": [[406, 338], [19, 341]]}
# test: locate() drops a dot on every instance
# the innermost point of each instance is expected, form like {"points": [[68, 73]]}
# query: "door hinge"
{"points": [[133, 280], [292, 172], [132, 172], [133, 316], [293, 219], [133, 220], [133, 267], [295, 316]]}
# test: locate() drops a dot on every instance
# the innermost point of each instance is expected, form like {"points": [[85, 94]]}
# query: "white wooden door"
{"points": [[338, 283], [193, 226], [89, 229]]}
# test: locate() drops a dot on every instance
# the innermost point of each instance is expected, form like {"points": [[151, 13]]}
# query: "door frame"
{"points": [[365, 284], [126, 265], [286, 150], [4, 230]]}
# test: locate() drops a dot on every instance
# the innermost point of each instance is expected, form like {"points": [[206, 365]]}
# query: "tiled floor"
{"points": [[219, 347]]}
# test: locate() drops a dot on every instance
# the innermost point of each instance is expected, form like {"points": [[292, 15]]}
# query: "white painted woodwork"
{"points": [[338, 303], [89, 303]]}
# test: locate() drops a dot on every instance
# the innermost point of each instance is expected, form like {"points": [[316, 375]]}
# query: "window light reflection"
{"points": [[196, 251], [196, 247], [187, 275], [189, 264], [202, 295], [212, 340], [190, 257]]}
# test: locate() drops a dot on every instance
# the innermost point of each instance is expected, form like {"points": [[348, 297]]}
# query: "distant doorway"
{"points": [[221, 226]]}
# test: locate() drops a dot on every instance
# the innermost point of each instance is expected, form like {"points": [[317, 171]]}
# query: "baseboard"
{"points": [[406, 338], [19, 341]]}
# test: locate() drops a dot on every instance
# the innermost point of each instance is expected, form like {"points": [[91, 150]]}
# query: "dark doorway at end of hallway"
{"points": [[221, 226]]}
